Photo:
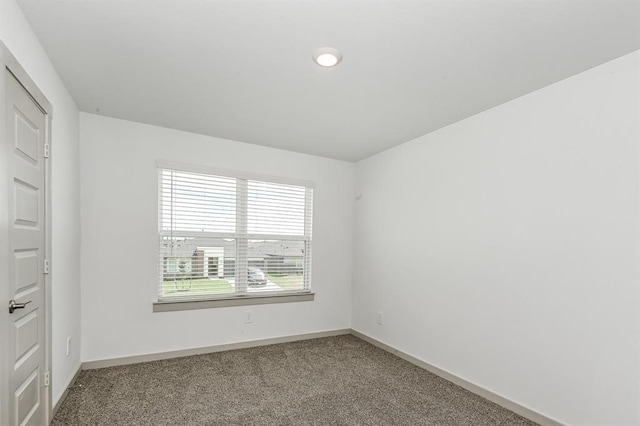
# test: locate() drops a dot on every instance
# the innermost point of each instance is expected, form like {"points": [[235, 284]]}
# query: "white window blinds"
{"points": [[221, 236]]}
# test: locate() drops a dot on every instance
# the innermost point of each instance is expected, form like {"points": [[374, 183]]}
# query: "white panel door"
{"points": [[25, 351]]}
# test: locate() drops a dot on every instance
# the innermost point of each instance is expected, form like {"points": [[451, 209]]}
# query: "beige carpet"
{"points": [[332, 381]]}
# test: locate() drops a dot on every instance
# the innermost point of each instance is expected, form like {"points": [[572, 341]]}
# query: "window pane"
{"points": [[222, 236], [275, 209], [197, 202], [280, 261], [194, 267]]}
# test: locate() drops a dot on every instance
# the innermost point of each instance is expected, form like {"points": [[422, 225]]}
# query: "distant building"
{"points": [[191, 257]]}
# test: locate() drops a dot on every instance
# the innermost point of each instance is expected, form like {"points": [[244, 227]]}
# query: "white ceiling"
{"points": [[242, 69]]}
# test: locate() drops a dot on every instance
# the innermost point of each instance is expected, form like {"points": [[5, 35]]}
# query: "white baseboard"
{"points": [[472, 387], [88, 365], [66, 392]]}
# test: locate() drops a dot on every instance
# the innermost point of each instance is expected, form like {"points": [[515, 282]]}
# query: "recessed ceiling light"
{"points": [[327, 57]]}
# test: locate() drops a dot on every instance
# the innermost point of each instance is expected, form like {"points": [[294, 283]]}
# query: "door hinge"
{"points": [[47, 378], [47, 266], [46, 150]]}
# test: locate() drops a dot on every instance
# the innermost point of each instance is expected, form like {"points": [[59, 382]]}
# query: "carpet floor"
{"points": [[331, 381]]}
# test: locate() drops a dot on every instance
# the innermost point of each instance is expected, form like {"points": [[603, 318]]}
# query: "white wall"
{"points": [[23, 44], [119, 241], [504, 248]]}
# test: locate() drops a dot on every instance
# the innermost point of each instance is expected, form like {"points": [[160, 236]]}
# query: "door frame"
{"points": [[10, 63]]}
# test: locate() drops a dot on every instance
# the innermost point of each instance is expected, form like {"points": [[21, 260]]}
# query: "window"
{"points": [[222, 236]]}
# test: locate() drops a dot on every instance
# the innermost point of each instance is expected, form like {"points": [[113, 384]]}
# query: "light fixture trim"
{"points": [[327, 57]]}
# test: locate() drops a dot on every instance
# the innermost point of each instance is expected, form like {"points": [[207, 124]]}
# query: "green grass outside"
{"points": [[196, 287], [205, 286], [287, 282]]}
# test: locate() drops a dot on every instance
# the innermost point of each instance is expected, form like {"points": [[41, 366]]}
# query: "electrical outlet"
{"points": [[68, 346], [248, 317], [379, 318]]}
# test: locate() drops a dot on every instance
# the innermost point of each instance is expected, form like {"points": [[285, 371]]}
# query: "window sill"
{"points": [[185, 305]]}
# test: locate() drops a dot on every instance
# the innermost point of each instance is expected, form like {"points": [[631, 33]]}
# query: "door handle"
{"points": [[13, 305]]}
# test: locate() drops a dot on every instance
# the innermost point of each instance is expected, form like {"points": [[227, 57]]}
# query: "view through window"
{"points": [[222, 236]]}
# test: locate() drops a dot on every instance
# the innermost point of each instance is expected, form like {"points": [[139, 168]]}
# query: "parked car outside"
{"points": [[256, 277]]}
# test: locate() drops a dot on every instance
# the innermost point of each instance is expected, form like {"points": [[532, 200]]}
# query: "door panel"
{"points": [[27, 401], [26, 177], [26, 270], [26, 137], [26, 204], [27, 338]]}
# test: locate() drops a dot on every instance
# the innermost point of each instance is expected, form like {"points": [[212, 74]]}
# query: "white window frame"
{"points": [[241, 296]]}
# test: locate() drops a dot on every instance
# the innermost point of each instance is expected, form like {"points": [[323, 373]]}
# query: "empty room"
{"points": [[320, 212]]}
